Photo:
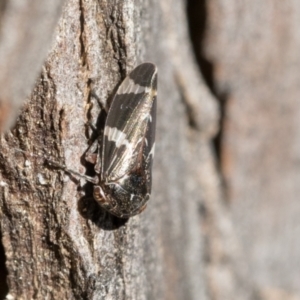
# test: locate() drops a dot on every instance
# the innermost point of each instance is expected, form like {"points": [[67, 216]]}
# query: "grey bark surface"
{"points": [[219, 224], [26, 33], [58, 243], [251, 52]]}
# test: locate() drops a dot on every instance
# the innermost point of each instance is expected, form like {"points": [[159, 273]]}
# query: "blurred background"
{"points": [[230, 77], [248, 52]]}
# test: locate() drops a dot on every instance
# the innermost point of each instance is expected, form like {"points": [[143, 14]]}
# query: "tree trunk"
{"points": [[210, 228], [249, 52], [58, 243]]}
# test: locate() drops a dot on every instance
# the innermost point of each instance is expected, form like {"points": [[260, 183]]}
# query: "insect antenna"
{"points": [[93, 180]]}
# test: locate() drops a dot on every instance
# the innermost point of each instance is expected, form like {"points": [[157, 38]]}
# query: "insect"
{"points": [[123, 157]]}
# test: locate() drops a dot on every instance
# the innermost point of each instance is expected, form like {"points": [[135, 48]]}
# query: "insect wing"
{"points": [[129, 132], [149, 147]]}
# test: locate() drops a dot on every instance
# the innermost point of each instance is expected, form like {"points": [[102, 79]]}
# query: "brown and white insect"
{"points": [[123, 156], [124, 160]]}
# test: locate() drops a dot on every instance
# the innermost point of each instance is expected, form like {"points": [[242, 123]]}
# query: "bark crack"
{"points": [[197, 18], [116, 34]]}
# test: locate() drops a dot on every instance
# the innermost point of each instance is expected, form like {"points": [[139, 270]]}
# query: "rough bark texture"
{"points": [[201, 237], [58, 243]]}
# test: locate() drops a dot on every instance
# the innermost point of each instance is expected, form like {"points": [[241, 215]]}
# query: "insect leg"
{"points": [[91, 155]]}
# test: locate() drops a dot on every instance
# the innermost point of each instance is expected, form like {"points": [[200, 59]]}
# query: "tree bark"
{"points": [[58, 243], [223, 215], [249, 53], [26, 31]]}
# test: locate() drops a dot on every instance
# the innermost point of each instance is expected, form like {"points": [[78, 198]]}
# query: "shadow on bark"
{"points": [[196, 12], [3, 272], [197, 20]]}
